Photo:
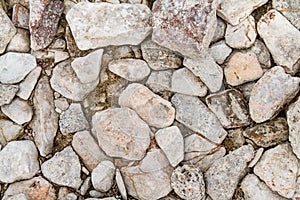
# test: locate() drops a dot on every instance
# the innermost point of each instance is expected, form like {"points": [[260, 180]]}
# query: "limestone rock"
{"points": [[103, 176], [9, 131], [20, 42], [121, 184], [27, 85], [293, 119], [220, 30], [7, 31], [262, 53], [20, 16], [256, 158], [160, 81], [289, 10], [7, 93], [220, 51]]}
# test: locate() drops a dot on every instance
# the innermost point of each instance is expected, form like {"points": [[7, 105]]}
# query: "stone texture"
{"points": [[7, 93], [262, 53], [20, 196], [20, 16], [97, 25], [121, 184], [27, 85], [103, 176], [256, 158], [121, 133], [280, 35], [9, 131], [7, 30], [264, 103], [150, 107], [293, 120], [290, 9], [18, 161], [278, 168], [220, 30], [20, 42], [194, 114], [160, 81], [220, 51], [235, 139]]}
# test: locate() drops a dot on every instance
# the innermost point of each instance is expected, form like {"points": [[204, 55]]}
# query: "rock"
{"points": [[85, 186], [65, 194], [268, 133], [45, 120], [220, 51], [28, 84], [73, 119], [256, 158], [20, 196], [61, 103], [43, 22], [18, 161], [224, 174], [230, 108], [170, 141], [185, 82], [60, 44], [121, 133], [150, 179], [205, 163], [293, 120], [87, 68], [289, 10], [264, 103], [95, 25], [220, 30], [150, 107], [235, 11], [194, 114], [63, 168], [131, 69], [7, 93], [7, 31], [262, 53], [9, 131], [246, 89], [18, 111], [158, 57], [235, 139], [187, 28], [103, 176], [280, 35], [20, 16], [20, 42], [188, 182], [15, 66], [160, 81], [60, 56], [121, 184], [278, 168]]}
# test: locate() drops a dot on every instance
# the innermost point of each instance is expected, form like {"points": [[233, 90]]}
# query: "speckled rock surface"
{"points": [[293, 119]]}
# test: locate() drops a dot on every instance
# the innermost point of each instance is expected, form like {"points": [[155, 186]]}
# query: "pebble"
{"points": [[95, 25], [153, 109], [256, 158], [20, 16], [85, 186], [133, 70], [293, 120], [264, 103], [246, 89], [121, 133], [220, 51], [278, 168], [18, 161], [9, 131], [205, 163], [121, 184], [235, 139], [289, 9], [224, 174], [20, 42], [7, 93], [160, 81], [262, 53], [280, 35], [7, 31], [20, 196], [220, 30], [194, 114], [63, 168], [60, 56], [103, 176], [27, 85], [61, 103]]}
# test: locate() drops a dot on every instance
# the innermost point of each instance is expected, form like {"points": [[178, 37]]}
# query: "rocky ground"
{"points": [[137, 99]]}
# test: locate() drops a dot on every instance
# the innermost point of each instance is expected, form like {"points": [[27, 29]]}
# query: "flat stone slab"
{"points": [[293, 119], [7, 31]]}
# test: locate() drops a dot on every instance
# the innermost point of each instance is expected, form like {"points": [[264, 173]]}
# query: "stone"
{"points": [[61, 104], [95, 25], [18, 161], [63, 168], [269, 133], [43, 22], [246, 89], [230, 108], [187, 28], [121, 184], [88, 68], [60, 56], [85, 186], [205, 163], [194, 114], [27, 85], [278, 168], [7, 31], [188, 183], [60, 44], [170, 140], [225, 173], [121, 133], [185, 82], [133, 70], [262, 53], [9, 131], [160, 81], [7, 93], [158, 57], [45, 120], [290, 9], [103, 176], [279, 36], [256, 158], [220, 51], [235, 11], [20, 16], [15, 66], [153, 109], [235, 139], [20, 42], [264, 103], [220, 30], [18, 111], [73, 119], [20, 196], [293, 120]]}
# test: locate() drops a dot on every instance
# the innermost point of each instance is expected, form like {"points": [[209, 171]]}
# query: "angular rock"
{"points": [[20, 42], [20, 16], [205, 163], [121, 133], [220, 30], [103, 176], [194, 114], [246, 89], [290, 9], [220, 51], [61, 103], [121, 184], [225, 173], [264, 103], [97, 25], [85, 186], [262, 53], [9, 131], [293, 120], [60, 56], [28, 84], [20, 196], [280, 35], [278, 168], [235, 139], [18, 161], [160, 81], [256, 158], [7, 93], [150, 107], [7, 30]]}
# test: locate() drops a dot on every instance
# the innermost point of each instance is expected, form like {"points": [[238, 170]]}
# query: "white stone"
{"points": [[60, 55], [262, 53], [256, 158], [61, 103], [205, 163], [7, 30], [293, 119], [7, 93], [159, 81], [9, 131], [289, 9], [220, 30], [121, 184], [28, 84], [20, 16], [85, 186], [20, 42], [103, 176], [20, 196], [220, 51]]}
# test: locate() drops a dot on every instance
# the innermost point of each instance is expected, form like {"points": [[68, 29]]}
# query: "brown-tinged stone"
{"points": [[20, 17]]}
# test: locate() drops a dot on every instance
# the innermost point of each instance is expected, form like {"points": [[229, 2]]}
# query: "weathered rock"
{"points": [[97, 25], [86, 185], [205, 163], [20, 16], [290, 9], [246, 89], [7, 93], [278, 168], [63, 168], [150, 107], [103, 176], [194, 114], [256, 158], [60, 56], [20, 196], [28, 84], [264, 103], [235, 139], [7, 31], [225, 173], [187, 28], [280, 35], [20, 42], [121, 133], [293, 120], [220, 51], [160, 81], [220, 30], [262, 53], [18, 161], [61, 104], [9, 131], [121, 184]]}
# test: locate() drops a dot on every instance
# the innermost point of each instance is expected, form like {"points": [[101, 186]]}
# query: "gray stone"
{"points": [[220, 30], [246, 89], [160, 81], [256, 158], [7, 31], [9, 131], [85, 186], [293, 120], [121, 184], [27, 85], [20, 196], [205, 163], [262, 53], [103, 176], [220, 51], [20, 42], [290, 9], [20, 16], [7, 93], [61, 103]]}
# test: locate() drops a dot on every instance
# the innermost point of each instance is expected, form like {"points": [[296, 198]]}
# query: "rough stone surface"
{"points": [[235, 139], [220, 30], [97, 25], [220, 51], [27, 85], [121, 184], [256, 158], [264, 103], [160, 81], [20, 42], [7, 93], [9, 131], [205, 163], [290, 9], [262, 53], [103, 176], [293, 120], [20, 16], [7, 30]]}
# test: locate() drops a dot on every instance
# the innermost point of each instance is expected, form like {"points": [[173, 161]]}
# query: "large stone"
{"points": [[264, 103], [95, 25], [103, 176], [293, 119], [7, 93], [290, 9], [160, 81], [280, 35], [9, 131], [7, 30], [27, 85], [20, 16]]}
